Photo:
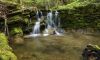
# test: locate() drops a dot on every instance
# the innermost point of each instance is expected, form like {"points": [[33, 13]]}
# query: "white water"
{"points": [[53, 22], [36, 27], [50, 22]]}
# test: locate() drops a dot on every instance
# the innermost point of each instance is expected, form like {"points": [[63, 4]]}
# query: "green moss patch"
{"points": [[17, 30], [5, 50]]}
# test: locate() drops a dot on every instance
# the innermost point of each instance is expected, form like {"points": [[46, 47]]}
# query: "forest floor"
{"points": [[67, 47]]}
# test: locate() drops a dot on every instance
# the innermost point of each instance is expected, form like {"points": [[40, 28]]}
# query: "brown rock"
{"points": [[18, 40]]}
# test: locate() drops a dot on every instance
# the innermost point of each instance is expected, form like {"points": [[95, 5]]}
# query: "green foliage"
{"points": [[82, 17], [27, 3], [47, 4], [17, 30], [73, 5]]}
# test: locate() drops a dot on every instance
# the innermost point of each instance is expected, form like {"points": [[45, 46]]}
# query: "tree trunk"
{"points": [[6, 27]]}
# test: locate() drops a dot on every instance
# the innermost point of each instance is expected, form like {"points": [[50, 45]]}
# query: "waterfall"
{"points": [[52, 24], [36, 27], [58, 30], [49, 23], [57, 19]]}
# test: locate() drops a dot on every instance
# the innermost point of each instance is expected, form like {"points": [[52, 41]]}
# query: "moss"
{"points": [[15, 18], [3, 38], [26, 20], [4, 42], [16, 30], [5, 49], [20, 19], [7, 55]]}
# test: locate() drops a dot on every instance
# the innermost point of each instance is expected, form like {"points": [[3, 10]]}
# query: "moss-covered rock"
{"points": [[16, 30], [4, 42], [3, 38], [18, 17], [17, 35], [7, 55], [5, 50]]}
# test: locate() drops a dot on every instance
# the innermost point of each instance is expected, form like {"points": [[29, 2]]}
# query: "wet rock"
{"points": [[18, 40], [49, 31]]}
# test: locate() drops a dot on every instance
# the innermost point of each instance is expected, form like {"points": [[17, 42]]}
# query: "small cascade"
{"points": [[49, 23], [52, 24], [58, 30], [56, 19], [36, 27]]}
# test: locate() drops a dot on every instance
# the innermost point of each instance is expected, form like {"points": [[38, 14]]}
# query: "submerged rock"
{"points": [[18, 39]]}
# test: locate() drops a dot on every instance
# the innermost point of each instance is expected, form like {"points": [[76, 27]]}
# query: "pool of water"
{"points": [[68, 47]]}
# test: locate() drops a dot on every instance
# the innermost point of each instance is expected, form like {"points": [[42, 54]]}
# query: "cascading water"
{"points": [[36, 27], [49, 23], [56, 19], [57, 28], [52, 24]]}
